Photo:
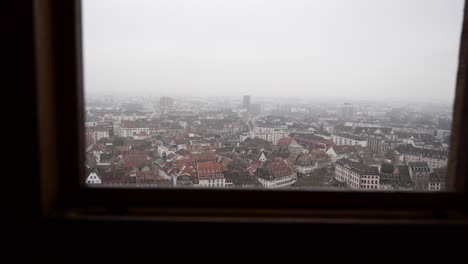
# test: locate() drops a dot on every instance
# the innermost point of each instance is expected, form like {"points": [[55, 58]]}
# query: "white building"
{"points": [[129, 128], [244, 136], [346, 111], [214, 182], [434, 186], [334, 155], [210, 174], [277, 182], [434, 158], [232, 128], [141, 135], [359, 124], [348, 139], [93, 179], [262, 157], [162, 151], [130, 131], [133, 116], [306, 163], [276, 174], [356, 175], [97, 132], [92, 121], [272, 134]]}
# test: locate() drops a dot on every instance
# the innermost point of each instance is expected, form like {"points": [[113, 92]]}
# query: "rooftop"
{"points": [[419, 166], [432, 153], [358, 167], [209, 166], [349, 136]]}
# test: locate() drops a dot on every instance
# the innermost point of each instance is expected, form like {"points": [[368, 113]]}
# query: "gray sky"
{"points": [[324, 48]]}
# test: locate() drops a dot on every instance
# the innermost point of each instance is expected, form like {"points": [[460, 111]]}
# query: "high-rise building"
{"points": [[443, 122], [166, 102], [346, 111], [247, 102]]}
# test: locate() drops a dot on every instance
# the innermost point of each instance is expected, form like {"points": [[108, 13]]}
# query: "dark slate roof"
{"points": [[387, 178], [434, 177], [185, 179], [264, 174], [342, 128], [419, 166], [372, 130], [345, 149], [410, 150], [438, 175], [403, 176], [387, 168], [358, 167], [241, 178], [257, 143], [349, 136]]}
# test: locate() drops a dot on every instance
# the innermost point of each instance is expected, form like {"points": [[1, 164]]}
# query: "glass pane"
{"points": [[297, 94]]}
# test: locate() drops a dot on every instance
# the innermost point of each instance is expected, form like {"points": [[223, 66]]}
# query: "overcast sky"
{"points": [[324, 48]]}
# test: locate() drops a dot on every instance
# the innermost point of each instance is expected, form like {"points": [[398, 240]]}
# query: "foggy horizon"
{"points": [[364, 50], [332, 100]]}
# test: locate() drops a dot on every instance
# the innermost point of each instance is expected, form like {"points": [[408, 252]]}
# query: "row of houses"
{"points": [[415, 176], [434, 158]]}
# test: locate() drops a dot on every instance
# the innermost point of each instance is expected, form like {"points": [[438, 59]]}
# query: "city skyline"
{"points": [[396, 101]]}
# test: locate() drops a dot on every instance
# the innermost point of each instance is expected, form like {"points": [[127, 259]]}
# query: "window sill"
{"points": [[217, 215]]}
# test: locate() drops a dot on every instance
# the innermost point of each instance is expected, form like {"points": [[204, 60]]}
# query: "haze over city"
{"points": [[306, 49], [281, 94]]}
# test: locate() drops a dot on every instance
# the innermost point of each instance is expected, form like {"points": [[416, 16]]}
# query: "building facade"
{"points": [[96, 133], [356, 175], [93, 178], [342, 139], [419, 173], [276, 174], [268, 133], [305, 163], [434, 158], [210, 174], [346, 111]]}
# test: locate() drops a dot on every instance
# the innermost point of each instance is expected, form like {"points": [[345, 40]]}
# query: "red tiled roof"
{"points": [[205, 156], [136, 160], [188, 170], [205, 166], [285, 141], [279, 168]]}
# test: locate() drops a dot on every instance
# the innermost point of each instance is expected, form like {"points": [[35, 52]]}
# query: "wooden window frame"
{"points": [[61, 134]]}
